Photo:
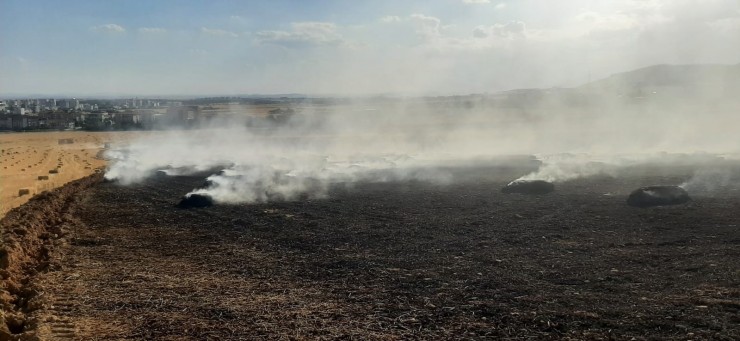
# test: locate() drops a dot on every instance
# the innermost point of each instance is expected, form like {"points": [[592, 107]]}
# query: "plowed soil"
{"points": [[404, 260]]}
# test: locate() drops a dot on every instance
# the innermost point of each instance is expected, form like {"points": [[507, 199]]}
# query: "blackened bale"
{"points": [[529, 187], [195, 200], [658, 196]]}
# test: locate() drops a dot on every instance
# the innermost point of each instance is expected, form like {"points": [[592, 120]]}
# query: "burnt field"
{"points": [[395, 260]]}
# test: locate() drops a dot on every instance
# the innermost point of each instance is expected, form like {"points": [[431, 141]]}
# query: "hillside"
{"points": [[714, 80]]}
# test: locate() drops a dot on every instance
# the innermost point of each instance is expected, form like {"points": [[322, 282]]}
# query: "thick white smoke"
{"points": [[707, 176], [259, 165], [383, 140], [564, 167], [715, 177]]}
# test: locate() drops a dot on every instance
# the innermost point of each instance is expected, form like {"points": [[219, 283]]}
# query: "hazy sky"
{"points": [[349, 47]]}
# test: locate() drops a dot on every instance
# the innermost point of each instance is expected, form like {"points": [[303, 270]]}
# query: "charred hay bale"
{"points": [[658, 196], [195, 200], [529, 187], [23, 191], [53, 171], [43, 177]]}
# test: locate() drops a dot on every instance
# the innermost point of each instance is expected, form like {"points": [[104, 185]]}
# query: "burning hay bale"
{"points": [[529, 187], [195, 200], [658, 196]]}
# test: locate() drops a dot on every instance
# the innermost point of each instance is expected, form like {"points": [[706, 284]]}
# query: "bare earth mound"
{"points": [[395, 261]]}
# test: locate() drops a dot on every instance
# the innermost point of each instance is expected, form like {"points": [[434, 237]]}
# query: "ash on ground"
{"points": [[396, 260]]}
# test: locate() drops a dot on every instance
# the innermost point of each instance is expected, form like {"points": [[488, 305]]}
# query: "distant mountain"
{"points": [[702, 78]]}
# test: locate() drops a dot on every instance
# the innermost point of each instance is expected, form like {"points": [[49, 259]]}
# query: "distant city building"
{"points": [[56, 120], [6, 122], [126, 119], [183, 116], [95, 120], [18, 122]]}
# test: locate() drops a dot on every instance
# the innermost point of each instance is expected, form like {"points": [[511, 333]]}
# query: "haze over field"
{"points": [[574, 133]]}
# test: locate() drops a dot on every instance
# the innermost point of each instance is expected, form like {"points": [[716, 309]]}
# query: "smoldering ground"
{"points": [[420, 139]]}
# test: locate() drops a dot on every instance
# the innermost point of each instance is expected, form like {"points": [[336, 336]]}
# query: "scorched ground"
{"points": [[401, 260]]}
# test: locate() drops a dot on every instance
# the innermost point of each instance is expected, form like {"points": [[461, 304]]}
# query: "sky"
{"points": [[325, 47]]}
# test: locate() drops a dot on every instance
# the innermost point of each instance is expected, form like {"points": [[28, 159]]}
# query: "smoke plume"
{"points": [[581, 132]]}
